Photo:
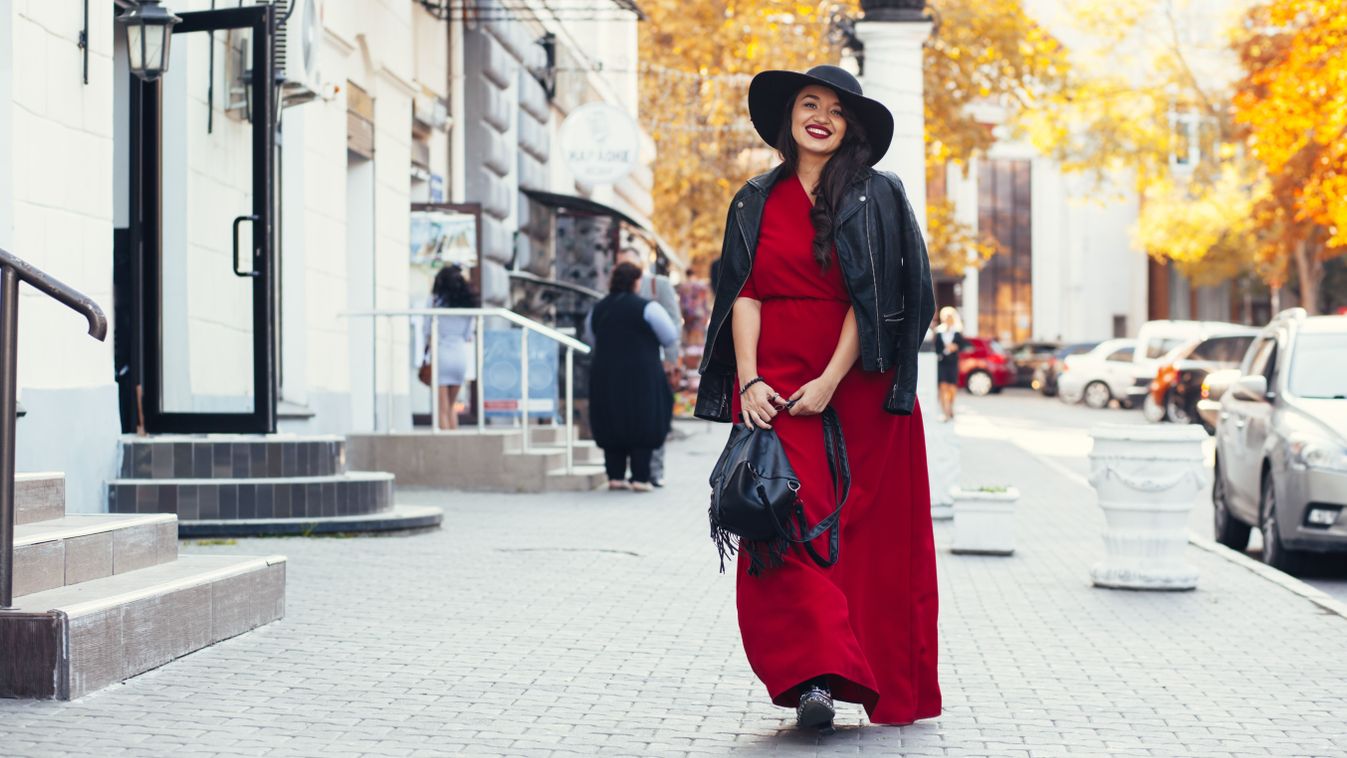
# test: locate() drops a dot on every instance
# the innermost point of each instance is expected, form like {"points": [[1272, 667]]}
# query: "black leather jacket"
{"points": [[884, 263]]}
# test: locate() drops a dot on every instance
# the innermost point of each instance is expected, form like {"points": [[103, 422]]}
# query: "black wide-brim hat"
{"points": [[770, 91]]}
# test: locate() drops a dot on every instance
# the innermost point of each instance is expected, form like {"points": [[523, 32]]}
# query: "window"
{"points": [[1222, 349], [1316, 367], [1121, 355], [1005, 283], [1157, 347]]}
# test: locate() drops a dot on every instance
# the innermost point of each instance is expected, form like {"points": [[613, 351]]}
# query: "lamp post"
{"points": [[149, 29]]}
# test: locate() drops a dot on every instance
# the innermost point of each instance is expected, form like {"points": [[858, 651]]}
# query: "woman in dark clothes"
{"points": [[826, 287], [630, 403], [948, 342]]}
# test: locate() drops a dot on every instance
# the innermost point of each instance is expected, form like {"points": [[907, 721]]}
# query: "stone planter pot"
{"points": [[984, 522], [1147, 478]]}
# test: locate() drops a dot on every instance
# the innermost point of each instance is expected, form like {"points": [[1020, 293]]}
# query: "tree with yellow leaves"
{"points": [[1293, 101]]}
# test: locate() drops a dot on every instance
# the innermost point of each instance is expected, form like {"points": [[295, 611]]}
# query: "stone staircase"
{"points": [[488, 461], [276, 484], [102, 598]]}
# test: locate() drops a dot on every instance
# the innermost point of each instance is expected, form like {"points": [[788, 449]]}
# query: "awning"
{"points": [[585, 206]]}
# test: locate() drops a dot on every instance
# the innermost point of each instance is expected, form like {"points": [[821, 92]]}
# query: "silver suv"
{"points": [[1281, 442]]}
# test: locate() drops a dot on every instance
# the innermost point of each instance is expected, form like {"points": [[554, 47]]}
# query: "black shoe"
{"points": [[815, 710], [657, 481]]}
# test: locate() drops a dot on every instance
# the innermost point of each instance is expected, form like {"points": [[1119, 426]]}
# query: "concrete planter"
{"points": [[1147, 478], [984, 521]]}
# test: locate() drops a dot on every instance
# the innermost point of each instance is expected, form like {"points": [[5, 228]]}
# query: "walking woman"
{"points": [[451, 290], [630, 403], [948, 342], [823, 300]]}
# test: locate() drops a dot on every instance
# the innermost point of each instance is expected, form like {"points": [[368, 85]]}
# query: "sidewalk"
{"points": [[596, 624]]}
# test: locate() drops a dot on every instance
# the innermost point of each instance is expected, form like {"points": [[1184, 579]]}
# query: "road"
{"points": [[1060, 434]]}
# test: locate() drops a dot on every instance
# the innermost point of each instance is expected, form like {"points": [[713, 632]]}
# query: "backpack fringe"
{"points": [[762, 554]]}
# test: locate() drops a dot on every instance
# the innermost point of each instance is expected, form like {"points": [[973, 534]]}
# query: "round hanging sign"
{"points": [[600, 142]]}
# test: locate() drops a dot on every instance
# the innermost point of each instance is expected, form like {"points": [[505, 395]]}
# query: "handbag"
{"points": [[423, 373], [756, 504]]}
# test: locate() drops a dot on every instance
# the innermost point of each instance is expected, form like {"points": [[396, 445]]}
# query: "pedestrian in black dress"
{"points": [[949, 341], [630, 402]]}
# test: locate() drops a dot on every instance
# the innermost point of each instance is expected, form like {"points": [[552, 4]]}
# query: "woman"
{"points": [[826, 288], [630, 403], [455, 333], [948, 342]]}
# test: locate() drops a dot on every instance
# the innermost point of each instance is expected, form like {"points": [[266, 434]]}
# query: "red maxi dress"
{"points": [[869, 622]]}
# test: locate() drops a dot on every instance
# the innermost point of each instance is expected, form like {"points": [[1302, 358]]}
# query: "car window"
{"points": [[1265, 362], [1257, 356], [1083, 347], [1316, 366], [1222, 349], [1123, 354], [1158, 346]]}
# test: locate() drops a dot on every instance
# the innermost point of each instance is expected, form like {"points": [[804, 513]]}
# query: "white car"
{"points": [[1101, 375], [1157, 338]]}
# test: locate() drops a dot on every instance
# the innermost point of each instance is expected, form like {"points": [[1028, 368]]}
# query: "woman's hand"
{"points": [[813, 397], [759, 406]]}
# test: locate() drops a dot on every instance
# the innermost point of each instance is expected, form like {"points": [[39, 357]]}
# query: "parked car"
{"points": [[1177, 386], [1045, 376], [1099, 376], [1029, 357], [1213, 389], [1156, 338], [1281, 442], [985, 367]]}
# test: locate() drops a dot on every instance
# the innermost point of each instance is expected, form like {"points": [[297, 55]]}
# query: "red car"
{"points": [[985, 367]]}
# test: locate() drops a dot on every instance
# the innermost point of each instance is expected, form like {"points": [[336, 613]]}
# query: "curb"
{"points": [[1286, 581]]}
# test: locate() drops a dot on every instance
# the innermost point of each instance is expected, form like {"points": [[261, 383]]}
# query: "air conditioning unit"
{"points": [[297, 44]]}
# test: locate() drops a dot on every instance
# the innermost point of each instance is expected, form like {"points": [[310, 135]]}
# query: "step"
{"points": [[398, 518], [466, 460], [584, 479], [231, 456], [348, 494], [38, 497], [67, 642], [583, 452], [79, 548]]}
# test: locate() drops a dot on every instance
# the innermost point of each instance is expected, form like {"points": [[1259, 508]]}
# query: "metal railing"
{"points": [[526, 325], [12, 271]]}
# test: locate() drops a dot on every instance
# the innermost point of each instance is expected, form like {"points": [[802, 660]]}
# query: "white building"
{"points": [[378, 112]]}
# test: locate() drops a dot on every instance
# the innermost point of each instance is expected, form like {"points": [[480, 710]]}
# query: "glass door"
{"points": [[209, 319]]}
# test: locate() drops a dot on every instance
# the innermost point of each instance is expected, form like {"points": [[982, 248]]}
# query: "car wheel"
{"points": [[1230, 531], [1153, 411], [1175, 409], [980, 383], [1274, 553], [1097, 394]]}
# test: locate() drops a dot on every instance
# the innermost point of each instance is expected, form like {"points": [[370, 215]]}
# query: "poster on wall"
{"points": [[443, 236], [501, 374]]}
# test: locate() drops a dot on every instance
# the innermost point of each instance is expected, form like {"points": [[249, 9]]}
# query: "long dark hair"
{"points": [[451, 289], [841, 169]]}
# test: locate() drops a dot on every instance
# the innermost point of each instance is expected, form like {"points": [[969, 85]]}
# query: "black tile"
{"points": [[188, 495], [201, 460], [141, 460], [274, 460], [313, 494], [343, 499], [302, 461], [257, 455], [248, 500], [299, 502], [182, 460], [289, 458], [168, 497], [281, 506], [229, 502], [266, 501], [222, 461], [208, 501], [240, 458], [161, 460], [329, 491], [147, 498]]}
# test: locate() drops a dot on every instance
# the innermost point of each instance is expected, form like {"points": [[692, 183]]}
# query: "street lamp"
{"points": [[149, 28]]}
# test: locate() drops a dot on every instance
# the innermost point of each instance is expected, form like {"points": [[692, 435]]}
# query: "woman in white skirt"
{"points": [[451, 290]]}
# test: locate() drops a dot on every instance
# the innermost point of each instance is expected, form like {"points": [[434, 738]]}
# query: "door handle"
{"points": [[237, 221]]}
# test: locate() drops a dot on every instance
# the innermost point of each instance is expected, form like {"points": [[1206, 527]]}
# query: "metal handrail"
{"points": [[527, 325], [12, 271]]}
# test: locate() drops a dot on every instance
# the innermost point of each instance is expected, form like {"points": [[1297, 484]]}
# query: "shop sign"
{"points": [[601, 143]]}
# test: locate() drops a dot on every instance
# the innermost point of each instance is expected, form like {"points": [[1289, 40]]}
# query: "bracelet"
{"points": [[751, 382]]}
